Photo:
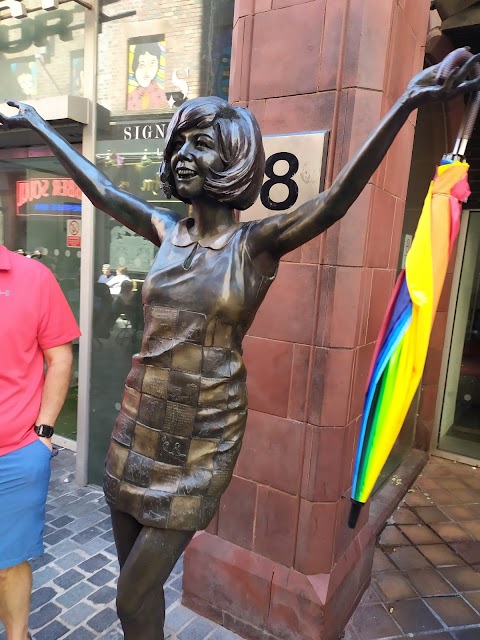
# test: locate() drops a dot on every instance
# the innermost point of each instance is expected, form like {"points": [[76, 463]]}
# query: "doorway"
{"points": [[40, 216], [460, 412]]}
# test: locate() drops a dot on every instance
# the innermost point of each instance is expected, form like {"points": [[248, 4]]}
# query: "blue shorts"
{"points": [[24, 477]]}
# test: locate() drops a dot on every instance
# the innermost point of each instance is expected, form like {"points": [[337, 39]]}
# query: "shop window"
{"points": [[149, 64]]}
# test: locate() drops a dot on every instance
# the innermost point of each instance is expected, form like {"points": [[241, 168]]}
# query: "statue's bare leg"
{"points": [[144, 570]]}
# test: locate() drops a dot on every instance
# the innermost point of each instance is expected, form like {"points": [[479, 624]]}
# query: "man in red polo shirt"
{"points": [[36, 331]]}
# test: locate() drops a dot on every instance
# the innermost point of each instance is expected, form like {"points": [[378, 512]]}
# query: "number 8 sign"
{"points": [[294, 173]]}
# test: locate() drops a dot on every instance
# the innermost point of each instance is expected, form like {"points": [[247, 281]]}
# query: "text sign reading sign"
{"points": [[74, 233], [48, 196], [294, 173]]}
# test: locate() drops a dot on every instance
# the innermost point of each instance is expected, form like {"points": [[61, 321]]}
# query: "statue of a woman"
{"points": [[180, 428]]}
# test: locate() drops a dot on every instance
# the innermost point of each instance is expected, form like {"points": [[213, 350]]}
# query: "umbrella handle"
{"points": [[453, 60]]}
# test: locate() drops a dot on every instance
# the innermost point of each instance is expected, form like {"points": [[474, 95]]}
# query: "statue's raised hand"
{"points": [[444, 82], [26, 117]]}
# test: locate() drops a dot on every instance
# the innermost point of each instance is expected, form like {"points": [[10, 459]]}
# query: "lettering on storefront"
{"points": [[48, 196], [18, 10], [149, 131], [36, 30]]}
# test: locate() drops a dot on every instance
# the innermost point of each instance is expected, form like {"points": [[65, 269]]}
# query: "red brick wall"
{"points": [[303, 66], [284, 561]]}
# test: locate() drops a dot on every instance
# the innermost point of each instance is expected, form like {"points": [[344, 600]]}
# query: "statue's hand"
{"points": [[460, 80], [25, 118]]}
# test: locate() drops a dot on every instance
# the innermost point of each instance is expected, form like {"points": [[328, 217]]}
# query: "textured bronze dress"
{"points": [[180, 428]]}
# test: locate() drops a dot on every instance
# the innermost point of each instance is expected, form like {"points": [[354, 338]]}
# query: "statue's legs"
{"points": [[147, 557]]}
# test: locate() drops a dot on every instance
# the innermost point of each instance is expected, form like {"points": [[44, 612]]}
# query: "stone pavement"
{"points": [[74, 581], [426, 581]]}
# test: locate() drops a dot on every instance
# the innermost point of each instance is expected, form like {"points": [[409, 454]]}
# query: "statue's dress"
{"points": [[180, 428]]}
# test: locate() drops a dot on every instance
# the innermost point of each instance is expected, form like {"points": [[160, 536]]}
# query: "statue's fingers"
{"points": [[454, 78], [13, 103], [470, 86], [472, 65]]}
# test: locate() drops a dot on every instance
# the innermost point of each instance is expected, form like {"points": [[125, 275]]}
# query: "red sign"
{"points": [[48, 196], [74, 233]]}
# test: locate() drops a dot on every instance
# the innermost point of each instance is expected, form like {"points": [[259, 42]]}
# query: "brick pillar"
{"points": [[279, 561]]}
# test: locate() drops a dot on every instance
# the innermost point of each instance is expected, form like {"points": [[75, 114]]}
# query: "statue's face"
{"points": [[195, 155]]}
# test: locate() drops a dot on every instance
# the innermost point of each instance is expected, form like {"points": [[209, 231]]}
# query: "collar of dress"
{"points": [[181, 237]]}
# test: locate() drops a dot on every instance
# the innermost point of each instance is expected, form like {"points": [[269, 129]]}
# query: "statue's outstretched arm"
{"points": [[279, 234], [133, 212]]}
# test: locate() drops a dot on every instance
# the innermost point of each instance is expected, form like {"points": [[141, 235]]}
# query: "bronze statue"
{"points": [[180, 428]]}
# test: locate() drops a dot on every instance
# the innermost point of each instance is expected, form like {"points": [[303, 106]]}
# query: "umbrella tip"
{"points": [[355, 509]]}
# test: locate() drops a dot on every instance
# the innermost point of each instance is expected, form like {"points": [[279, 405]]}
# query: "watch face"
{"points": [[44, 430]]}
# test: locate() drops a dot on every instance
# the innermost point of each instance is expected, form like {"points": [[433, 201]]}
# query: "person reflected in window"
{"points": [[107, 274], [115, 284]]}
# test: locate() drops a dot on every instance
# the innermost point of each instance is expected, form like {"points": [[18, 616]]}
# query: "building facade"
{"points": [[278, 560]]}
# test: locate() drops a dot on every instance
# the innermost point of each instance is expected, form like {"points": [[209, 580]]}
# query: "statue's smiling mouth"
{"points": [[185, 174]]}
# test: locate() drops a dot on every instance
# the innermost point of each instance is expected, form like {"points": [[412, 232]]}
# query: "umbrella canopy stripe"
{"points": [[401, 349]]}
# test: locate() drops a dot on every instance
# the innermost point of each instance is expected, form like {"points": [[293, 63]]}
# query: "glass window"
{"points": [[41, 54], [150, 62], [40, 215]]}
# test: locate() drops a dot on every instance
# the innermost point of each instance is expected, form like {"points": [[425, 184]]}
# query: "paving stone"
{"points": [[44, 615], [44, 575], [41, 561], [101, 577], [103, 620], [53, 631], [105, 524], [113, 634], [77, 614], [68, 579], [414, 616], [62, 521], [104, 595], [108, 535], [220, 633], [63, 548], [80, 634], [177, 617], [75, 594], [70, 560], [196, 629], [86, 535], [42, 596], [95, 546], [454, 611], [171, 596], [94, 564]]}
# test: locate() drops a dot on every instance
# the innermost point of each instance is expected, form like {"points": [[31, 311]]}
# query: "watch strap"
{"points": [[44, 430]]}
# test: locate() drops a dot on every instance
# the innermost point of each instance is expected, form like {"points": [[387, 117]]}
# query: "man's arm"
{"points": [[57, 381]]}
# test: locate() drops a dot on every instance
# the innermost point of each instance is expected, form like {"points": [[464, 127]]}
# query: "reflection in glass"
{"points": [[460, 429], [142, 81], [40, 53], [37, 201]]}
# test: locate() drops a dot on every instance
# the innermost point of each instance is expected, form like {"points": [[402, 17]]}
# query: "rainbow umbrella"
{"points": [[401, 348]]}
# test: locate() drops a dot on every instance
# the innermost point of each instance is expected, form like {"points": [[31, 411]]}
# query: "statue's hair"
{"points": [[240, 147]]}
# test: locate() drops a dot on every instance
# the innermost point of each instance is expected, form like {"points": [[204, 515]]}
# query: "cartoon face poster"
{"points": [[146, 74]]}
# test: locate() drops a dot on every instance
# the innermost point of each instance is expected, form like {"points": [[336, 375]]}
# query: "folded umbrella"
{"points": [[401, 348]]}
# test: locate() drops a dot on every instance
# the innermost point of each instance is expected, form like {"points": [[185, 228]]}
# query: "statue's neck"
{"points": [[210, 218]]}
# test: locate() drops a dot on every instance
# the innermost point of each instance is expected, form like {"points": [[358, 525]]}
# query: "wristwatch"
{"points": [[44, 430]]}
